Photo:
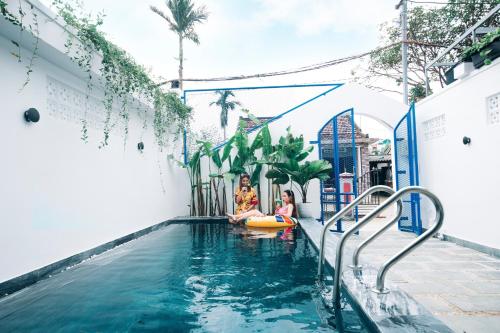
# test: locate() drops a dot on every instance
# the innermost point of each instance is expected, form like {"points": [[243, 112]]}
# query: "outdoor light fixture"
{"points": [[466, 140], [140, 146], [174, 84], [32, 115]]}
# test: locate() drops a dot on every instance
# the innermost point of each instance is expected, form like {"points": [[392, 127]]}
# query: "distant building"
{"points": [[249, 123]]}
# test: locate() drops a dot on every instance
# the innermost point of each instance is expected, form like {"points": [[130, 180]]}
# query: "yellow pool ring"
{"points": [[277, 221]]}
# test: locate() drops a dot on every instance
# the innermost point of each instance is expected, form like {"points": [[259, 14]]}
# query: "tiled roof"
{"points": [[250, 124]]}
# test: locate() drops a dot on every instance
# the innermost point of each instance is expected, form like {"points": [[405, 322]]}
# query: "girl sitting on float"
{"points": [[288, 209]]}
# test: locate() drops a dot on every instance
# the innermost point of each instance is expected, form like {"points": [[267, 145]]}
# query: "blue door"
{"points": [[336, 143], [405, 144]]}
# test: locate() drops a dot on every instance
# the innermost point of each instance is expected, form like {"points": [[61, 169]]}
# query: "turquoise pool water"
{"points": [[184, 278]]}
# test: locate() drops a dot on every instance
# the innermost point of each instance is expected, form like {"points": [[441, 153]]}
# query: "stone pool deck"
{"points": [[459, 286]]}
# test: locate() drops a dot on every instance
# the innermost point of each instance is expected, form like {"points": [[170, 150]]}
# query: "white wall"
{"points": [[58, 195], [465, 177]]}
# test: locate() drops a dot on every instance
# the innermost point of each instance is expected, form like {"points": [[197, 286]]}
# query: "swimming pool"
{"points": [[201, 277]]}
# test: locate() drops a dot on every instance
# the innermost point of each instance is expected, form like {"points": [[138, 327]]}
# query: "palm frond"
{"points": [[158, 11]]}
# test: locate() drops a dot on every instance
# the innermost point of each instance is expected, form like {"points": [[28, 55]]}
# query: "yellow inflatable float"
{"points": [[276, 221]]}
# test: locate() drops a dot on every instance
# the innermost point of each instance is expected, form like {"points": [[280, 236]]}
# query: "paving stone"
{"points": [[486, 303], [434, 303], [433, 288], [483, 287], [488, 275], [492, 264], [471, 324], [464, 266]]}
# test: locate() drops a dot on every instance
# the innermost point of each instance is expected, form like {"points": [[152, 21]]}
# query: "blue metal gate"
{"points": [[405, 143], [336, 143]]}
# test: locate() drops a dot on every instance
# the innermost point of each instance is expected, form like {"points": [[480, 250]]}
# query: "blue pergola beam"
{"points": [[332, 85]]}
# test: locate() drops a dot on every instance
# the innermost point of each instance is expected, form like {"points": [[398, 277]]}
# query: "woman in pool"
{"points": [[245, 196], [287, 209]]}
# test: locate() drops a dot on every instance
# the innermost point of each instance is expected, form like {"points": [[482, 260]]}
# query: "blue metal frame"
{"points": [[333, 85], [338, 194], [411, 141]]}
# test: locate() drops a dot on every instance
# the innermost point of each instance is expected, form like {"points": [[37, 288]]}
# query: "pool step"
{"points": [[364, 210]]}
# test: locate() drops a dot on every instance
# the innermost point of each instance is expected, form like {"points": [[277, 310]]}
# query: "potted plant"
{"points": [[484, 51]]}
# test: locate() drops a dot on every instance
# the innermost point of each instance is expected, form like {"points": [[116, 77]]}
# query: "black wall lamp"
{"points": [[175, 84], [32, 115], [140, 146], [466, 140]]}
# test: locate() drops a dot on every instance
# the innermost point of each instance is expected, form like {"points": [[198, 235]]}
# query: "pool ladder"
{"points": [[395, 197]]}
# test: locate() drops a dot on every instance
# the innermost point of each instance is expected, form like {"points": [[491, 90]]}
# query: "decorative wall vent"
{"points": [[67, 103], [434, 127], [493, 109]]}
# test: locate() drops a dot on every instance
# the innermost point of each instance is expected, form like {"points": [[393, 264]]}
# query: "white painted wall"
{"points": [[465, 178], [58, 195]]}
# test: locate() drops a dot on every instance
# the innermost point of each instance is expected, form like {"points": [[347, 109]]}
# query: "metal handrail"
{"points": [[346, 235], [340, 214], [357, 251], [422, 238], [455, 43]]}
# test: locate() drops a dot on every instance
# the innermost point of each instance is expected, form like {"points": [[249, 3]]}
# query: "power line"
{"points": [[289, 71], [307, 68]]}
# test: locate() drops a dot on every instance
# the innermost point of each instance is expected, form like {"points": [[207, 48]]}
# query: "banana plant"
{"points": [[286, 158], [219, 176], [300, 174]]}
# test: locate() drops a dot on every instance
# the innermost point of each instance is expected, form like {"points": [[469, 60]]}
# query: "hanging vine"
{"points": [[120, 75], [33, 29]]}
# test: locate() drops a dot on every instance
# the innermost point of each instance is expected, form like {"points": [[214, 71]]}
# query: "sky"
{"points": [[251, 36]]}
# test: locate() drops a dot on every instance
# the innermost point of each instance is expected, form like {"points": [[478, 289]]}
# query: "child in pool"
{"points": [[288, 208]]}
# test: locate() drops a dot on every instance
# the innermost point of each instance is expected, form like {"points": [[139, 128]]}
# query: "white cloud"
{"points": [[317, 16]]}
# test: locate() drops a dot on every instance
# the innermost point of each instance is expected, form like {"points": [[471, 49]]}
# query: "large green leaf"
{"points": [[195, 159], [216, 159], [281, 180], [205, 147], [227, 149], [267, 146], [257, 142], [273, 173], [255, 179]]}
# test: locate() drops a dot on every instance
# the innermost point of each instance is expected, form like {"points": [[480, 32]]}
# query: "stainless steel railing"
{"points": [[357, 251], [339, 215], [438, 222], [395, 197]]}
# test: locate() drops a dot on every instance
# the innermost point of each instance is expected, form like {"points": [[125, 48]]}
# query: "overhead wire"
{"points": [[302, 69]]}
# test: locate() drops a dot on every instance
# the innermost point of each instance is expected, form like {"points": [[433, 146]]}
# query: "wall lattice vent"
{"points": [[493, 109]]}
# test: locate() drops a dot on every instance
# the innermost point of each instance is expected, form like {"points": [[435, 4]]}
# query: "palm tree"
{"points": [[225, 105], [184, 17]]}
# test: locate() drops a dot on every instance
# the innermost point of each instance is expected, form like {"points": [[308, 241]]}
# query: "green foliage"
{"points": [[121, 76], [184, 17], [481, 46], [32, 28], [225, 105], [417, 93], [430, 30], [286, 159]]}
